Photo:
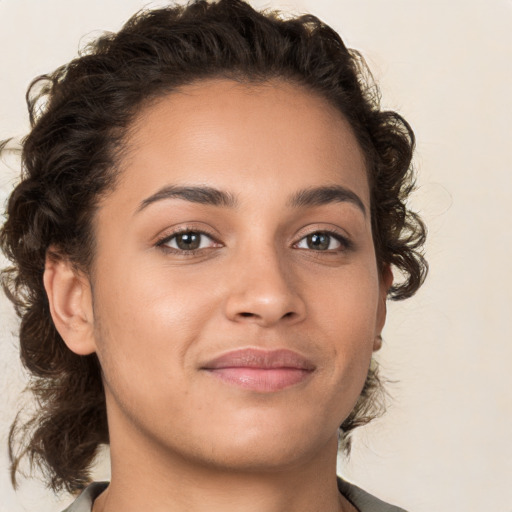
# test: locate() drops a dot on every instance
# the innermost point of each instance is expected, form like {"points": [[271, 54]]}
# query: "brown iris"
{"points": [[188, 241], [318, 241]]}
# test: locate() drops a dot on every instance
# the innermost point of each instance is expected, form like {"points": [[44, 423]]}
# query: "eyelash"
{"points": [[192, 252], [345, 243]]}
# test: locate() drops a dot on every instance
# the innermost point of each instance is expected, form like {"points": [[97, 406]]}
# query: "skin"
{"points": [[182, 439]]}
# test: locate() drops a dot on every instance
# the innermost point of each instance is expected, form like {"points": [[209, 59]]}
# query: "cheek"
{"points": [[347, 301], [344, 313], [151, 304], [145, 325]]}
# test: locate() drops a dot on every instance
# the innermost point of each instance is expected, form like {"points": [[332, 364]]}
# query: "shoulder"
{"points": [[84, 502], [364, 501]]}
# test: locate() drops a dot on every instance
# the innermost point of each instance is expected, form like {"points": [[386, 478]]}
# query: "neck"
{"points": [[149, 477]]}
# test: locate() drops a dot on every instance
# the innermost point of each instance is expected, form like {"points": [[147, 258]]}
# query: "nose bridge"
{"points": [[262, 287]]}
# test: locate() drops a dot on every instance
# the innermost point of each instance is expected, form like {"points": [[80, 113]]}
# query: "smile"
{"points": [[260, 370]]}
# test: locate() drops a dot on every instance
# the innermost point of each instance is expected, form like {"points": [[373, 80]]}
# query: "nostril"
{"points": [[246, 314]]}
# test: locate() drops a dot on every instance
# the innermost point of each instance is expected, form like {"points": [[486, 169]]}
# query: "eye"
{"points": [[323, 241], [187, 241]]}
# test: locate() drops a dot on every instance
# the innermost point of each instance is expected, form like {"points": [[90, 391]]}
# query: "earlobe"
{"points": [[70, 298]]}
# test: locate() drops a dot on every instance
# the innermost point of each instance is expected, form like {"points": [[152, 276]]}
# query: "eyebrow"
{"points": [[315, 196], [202, 195], [318, 196]]}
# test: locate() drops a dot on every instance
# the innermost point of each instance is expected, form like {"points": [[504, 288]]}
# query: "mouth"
{"points": [[263, 371]]}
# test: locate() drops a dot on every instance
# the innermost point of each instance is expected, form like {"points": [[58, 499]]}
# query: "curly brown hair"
{"points": [[79, 115]]}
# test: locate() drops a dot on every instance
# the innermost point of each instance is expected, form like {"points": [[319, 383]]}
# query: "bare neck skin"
{"points": [[145, 481]]}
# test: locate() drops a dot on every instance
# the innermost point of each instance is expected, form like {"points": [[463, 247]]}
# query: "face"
{"points": [[235, 291]]}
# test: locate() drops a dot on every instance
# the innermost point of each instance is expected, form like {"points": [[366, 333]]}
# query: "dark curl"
{"points": [[79, 116]]}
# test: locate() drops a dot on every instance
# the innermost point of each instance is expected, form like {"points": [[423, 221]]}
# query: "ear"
{"points": [[386, 280], [70, 298]]}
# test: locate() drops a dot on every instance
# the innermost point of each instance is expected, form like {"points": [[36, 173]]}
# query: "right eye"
{"points": [[187, 241]]}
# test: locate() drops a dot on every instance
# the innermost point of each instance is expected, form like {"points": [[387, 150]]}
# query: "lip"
{"points": [[264, 371]]}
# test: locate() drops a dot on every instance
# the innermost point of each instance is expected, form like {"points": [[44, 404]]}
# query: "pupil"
{"points": [[188, 241], [318, 241]]}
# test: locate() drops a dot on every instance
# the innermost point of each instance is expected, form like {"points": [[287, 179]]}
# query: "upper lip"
{"points": [[258, 358]]}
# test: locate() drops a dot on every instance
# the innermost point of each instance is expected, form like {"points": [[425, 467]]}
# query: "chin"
{"points": [[262, 448]]}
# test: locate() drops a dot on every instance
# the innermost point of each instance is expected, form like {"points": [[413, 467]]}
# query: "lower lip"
{"points": [[263, 380]]}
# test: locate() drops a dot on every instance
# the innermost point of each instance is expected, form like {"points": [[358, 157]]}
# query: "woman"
{"points": [[202, 245]]}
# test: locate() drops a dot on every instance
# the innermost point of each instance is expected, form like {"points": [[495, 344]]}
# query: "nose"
{"points": [[263, 291]]}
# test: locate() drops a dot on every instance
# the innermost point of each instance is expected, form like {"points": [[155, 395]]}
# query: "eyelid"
{"points": [[163, 239], [337, 233], [341, 245]]}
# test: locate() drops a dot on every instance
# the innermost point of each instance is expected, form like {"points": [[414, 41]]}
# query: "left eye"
{"points": [[320, 241], [188, 241]]}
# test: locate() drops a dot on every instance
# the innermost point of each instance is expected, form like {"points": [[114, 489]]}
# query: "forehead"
{"points": [[233, 135]]}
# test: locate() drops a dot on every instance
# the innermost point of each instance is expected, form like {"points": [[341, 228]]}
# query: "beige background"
{"points": [[446, 65]]}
